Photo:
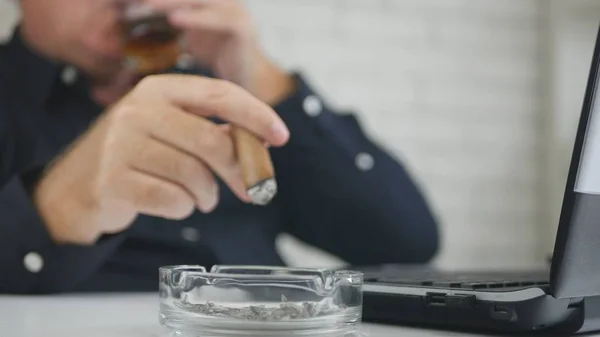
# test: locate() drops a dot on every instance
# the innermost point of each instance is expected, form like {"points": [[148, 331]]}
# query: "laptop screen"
{"points": [[588, 175], [575, 268]]}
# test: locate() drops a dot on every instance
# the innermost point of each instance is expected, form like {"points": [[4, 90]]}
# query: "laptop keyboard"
{"points": [[458, 280]]}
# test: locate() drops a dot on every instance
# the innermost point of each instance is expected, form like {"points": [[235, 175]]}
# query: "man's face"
{"points": [[84, 33]]}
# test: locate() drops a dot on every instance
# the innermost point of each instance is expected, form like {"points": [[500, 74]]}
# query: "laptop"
{"points": [[564, 299]]}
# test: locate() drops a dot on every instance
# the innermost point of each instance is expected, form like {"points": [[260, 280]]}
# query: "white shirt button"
{"points": [[312, 106], [364, 161], [33, 262], [185, 61], [69, 75], [190, 234]]}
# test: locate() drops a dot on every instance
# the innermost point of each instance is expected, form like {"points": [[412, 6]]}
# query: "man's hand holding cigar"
{"points": [[154, 152]]}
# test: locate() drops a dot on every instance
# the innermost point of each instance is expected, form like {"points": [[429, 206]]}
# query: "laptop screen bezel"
{"points": [[570, 193]]}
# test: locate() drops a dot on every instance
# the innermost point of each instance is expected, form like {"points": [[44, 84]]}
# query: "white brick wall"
{"points": [[451, 86], [456, 88]]}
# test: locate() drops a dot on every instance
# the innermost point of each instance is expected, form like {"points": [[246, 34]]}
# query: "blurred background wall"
{"points": [[479, 98]]}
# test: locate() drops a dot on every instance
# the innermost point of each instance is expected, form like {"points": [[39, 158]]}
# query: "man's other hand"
{"points": [[219, 35]]}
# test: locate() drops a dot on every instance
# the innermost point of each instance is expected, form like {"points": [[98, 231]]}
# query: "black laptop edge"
{"points": [[567, 304]]}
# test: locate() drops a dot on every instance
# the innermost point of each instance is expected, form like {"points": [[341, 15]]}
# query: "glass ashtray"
{"points": [[259, 301]]}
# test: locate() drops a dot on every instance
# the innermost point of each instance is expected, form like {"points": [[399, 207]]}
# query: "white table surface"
{"points": [[115, 315], [119, 315]]}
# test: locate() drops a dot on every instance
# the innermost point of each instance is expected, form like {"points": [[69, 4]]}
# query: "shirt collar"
{"points": [[33, 74]]}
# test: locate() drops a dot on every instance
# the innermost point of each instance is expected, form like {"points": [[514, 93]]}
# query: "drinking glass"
{"points": [[151, 43]]}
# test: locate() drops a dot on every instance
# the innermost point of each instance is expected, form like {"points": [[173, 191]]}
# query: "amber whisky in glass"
{"points": [[151, 44]]}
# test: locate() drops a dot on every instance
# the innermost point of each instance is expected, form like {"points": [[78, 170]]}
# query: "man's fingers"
{"points": [[202, 19], [168, 163], [213, 97], [165, 5], [219, 15], [199, 138], [153, 196], [225, 127]]}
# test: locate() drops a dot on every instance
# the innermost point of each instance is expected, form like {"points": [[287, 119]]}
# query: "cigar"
{"points": [[257, 168]]}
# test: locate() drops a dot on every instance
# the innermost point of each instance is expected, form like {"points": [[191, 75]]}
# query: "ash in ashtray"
{"points": [[285, 311]]}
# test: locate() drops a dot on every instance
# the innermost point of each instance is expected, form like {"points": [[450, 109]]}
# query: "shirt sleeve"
{"points": [[344, 193], [30, 261]]}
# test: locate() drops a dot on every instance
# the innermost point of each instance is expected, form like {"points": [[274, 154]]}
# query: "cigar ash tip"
{"points": [[262, 193]]}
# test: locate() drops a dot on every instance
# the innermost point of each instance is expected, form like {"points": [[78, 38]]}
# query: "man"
{"points": [[104, 178]]}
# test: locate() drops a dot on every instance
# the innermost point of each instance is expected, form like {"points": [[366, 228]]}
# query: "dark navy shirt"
{"points": [[338, 190]]}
